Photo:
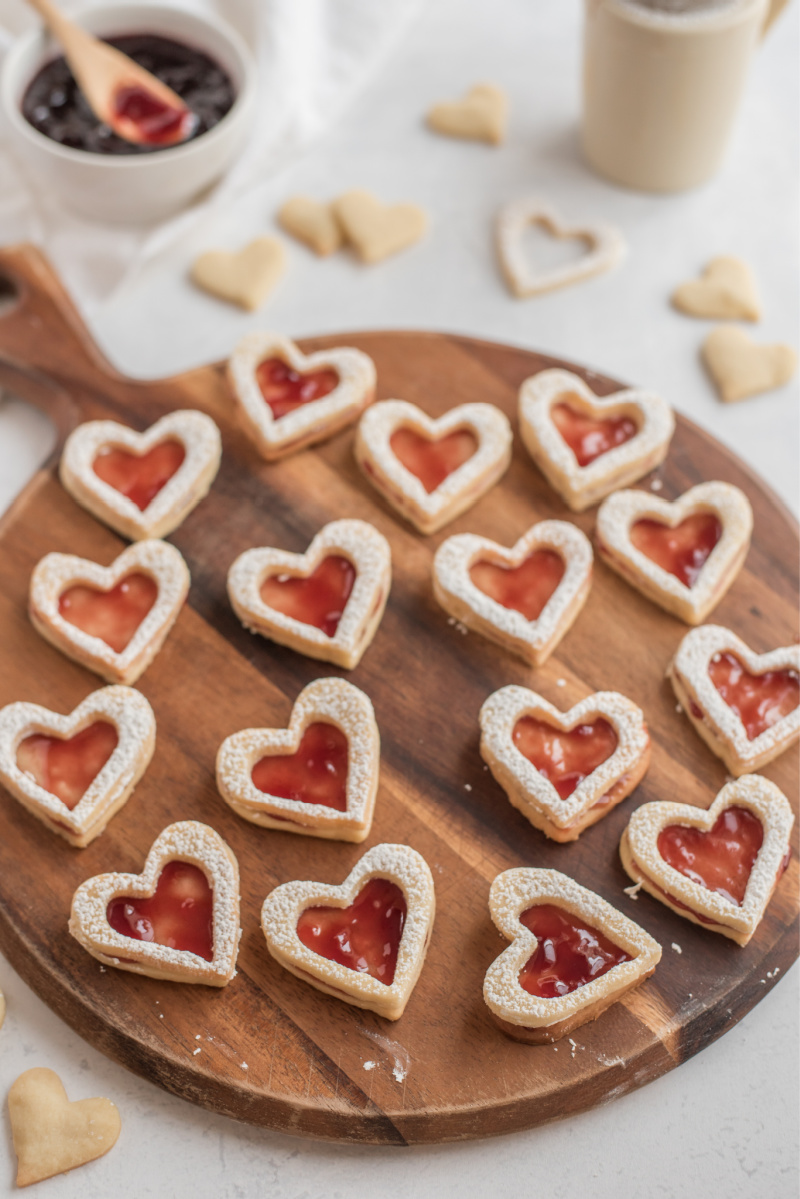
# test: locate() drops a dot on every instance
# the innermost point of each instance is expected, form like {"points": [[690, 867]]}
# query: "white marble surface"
{"points": [[725, 1124]]}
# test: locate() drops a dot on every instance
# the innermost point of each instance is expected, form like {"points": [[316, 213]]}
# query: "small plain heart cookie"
{"points": [[312, 223], [726, 290], [245, 278], [740, 368], [605, 247], [378, 230], [481, 115]]}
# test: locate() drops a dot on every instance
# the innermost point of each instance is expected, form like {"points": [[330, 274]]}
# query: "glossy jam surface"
{"points": [[140, 477], [566, 759], [285, 389], [759, 700], [316, 773], [149, 120], [569, 955], [67, 768], [720, 859], [364, 937], [113, 616], [588, 437], [319, 599], [525, 588], [433, 461], [179, 915], [683, 550]]}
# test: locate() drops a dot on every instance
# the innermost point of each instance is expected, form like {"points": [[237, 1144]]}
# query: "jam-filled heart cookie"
{"points": [[682, 555], [177, 920], [745, 706], [571, 955], [432, 470], [564, 770], [587, 445], [364, 941], [524, 598], [326, 603], [288, 399], [717, 868], [142, 484], [75, 772], [318, 777]]}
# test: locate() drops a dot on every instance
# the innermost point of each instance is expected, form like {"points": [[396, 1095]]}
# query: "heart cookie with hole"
{"points": [[605, 247], [245, 277], [524, 598], [287, 399], [142, 484], [726, 290], [741, 368], [312, 223], [326, 603], [431, 470], [587, 445], [717, 868], [481, 115], [745, 706], [376, 230], [564, 770], [177, 920], [364, 941], [682, 555]]}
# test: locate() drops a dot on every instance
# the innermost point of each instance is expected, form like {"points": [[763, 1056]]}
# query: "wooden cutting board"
{"points": [[273, 1050]]}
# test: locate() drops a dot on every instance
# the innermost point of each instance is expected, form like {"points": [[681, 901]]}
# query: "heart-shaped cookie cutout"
{"points": [[142, 484], [524, 598], [571, 955], [682, 555], [564, 770], [75, 772], [52, 1135], [288, 400], [741, 368], [378, 230], [605, 247], [177, 920], [364, 941], [246, 277], [112, 619], [312, 223], [319, 776], [726, 290], [432, 470], [745, 706], [717, 868], [587, 445], [481, 115], [326, 603]]}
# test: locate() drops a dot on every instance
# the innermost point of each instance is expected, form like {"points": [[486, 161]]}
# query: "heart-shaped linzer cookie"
{"points": [[364, 941], [378, 230], [326, 603], [142, 484], [740, 368], [431, 470], [288, 400], [564, 770], [525, 598], [246, 277], [605, 247], [717, 868], [481, 115], [312, 223], [745, 706], [682, 555], [587, 445], [726, 290], [112, 619], [177, 920]]}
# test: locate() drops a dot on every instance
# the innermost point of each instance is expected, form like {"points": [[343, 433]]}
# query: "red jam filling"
{"points": [[285, 389], [364, 937], [139, 477], [683, 550], [113, 616], [179, 915], [319, 599], [589, 437], [525, 588], [720, 859], [316, 773], [569, 955], [565, 758], [144, 117], [67, 768], [759, 700], [433, 461]]}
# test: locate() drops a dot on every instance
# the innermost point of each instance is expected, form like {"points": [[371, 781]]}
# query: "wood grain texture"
{"points": [[458, 1076]]}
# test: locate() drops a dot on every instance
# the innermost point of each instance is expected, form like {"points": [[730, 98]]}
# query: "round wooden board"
{"points": [[273, 1050]]}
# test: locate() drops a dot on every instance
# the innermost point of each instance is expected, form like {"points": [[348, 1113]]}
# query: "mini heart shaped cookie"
{"points": [[246, 277], [717, 868], [177, 920], [571, 955], [682, 555], [312, 223], [564, 770], [740, 368], [364, 941], [726, 290], [605, 247], [75, 772], [112, 619], [481, 115], [326, 603], [378, 230], [587, 445], [142, 484], [432, 470], [288, 399], [524, 598], [745, 706]]}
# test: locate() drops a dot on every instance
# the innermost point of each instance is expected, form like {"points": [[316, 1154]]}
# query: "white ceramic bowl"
{"points": [[140, 188]]}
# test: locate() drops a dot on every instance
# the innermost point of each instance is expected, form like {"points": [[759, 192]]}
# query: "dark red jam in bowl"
{"points": [[55, 106]]}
